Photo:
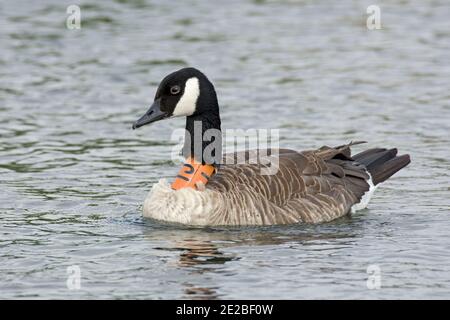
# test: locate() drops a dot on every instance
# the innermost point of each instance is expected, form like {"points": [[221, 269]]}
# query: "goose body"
{"points": [[309, 187]]}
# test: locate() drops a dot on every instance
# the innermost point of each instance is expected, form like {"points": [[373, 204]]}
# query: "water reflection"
{"points": [[198, 253], [201, 257], [200, 293], [203, 253]]}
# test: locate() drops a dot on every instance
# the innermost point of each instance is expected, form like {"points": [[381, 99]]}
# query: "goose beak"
{"points": [[153, 114]]}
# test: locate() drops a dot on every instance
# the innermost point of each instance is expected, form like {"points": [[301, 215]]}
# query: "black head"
{"points": [[186, 92]]}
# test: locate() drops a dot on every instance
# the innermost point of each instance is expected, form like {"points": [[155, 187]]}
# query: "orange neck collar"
{"points": [[192, 173]]}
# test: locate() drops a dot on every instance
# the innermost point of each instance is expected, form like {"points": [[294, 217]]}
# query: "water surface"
{"points": [[73, 175]]}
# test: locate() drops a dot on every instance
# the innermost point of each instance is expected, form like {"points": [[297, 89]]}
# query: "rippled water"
{"points": [[73, 175]]}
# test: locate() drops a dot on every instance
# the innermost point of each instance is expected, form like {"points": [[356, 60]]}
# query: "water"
{"points": [[74, 175]]}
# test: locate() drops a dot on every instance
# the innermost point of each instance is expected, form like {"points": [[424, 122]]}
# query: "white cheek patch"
{"points": [[187, 103]]}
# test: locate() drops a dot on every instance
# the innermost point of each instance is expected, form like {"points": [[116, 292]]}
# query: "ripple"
{"points": [[162, 62], [94, 21], [74, 176]]}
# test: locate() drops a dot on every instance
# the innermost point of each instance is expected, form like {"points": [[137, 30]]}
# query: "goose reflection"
{"points": [[200, 257], [206, 253], [196, 252]]}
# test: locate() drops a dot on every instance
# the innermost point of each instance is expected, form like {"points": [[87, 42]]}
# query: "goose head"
{"points": [[186, 92]]}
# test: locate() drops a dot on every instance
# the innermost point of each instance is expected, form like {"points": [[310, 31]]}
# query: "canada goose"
{"points": [[309, 187]]}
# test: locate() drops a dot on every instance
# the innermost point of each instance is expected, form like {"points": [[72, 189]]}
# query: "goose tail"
{"points": [[382, 163]]}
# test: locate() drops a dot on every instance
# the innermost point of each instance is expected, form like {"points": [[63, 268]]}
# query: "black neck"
{"points": [[196, 142]]}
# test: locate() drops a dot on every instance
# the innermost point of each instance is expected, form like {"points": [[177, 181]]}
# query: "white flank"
{"points": [[186, 206], [188, 102], [366, 196]]}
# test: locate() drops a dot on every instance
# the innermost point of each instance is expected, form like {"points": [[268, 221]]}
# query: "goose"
{"points": [[312, 186]]}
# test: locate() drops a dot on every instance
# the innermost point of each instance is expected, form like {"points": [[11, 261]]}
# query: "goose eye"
{"points": [[175, 90]]}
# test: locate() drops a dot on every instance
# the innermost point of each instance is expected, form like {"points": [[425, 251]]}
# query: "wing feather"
{"points": [[310, 186]]}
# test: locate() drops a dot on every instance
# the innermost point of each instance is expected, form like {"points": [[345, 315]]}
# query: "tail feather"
{"points": [[367, 153], [375, 160], [387, 169], [382, 163]]}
